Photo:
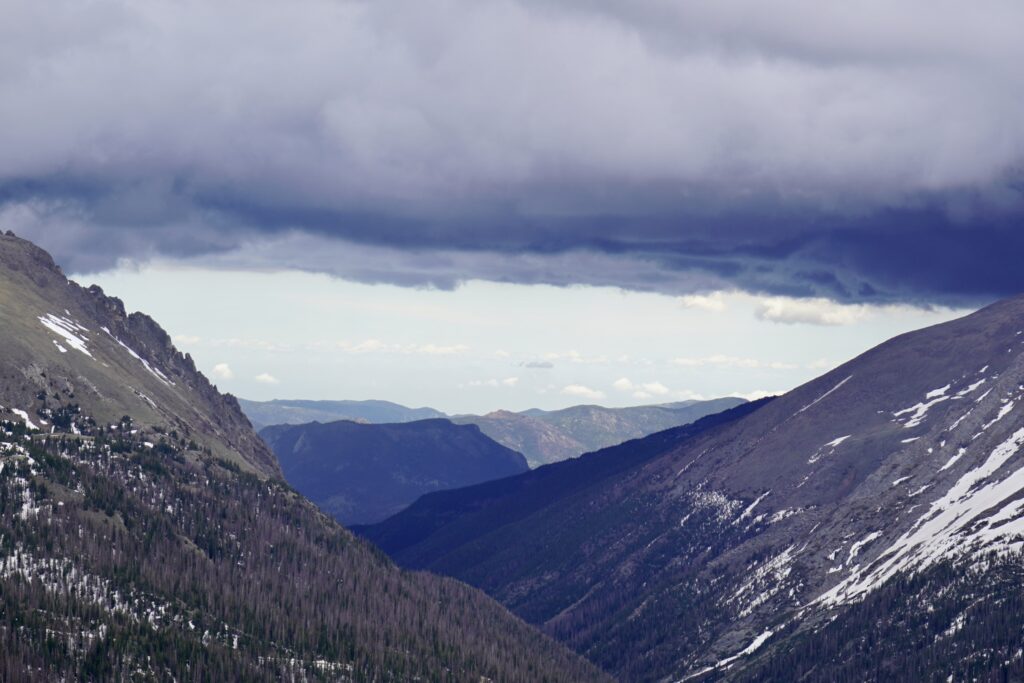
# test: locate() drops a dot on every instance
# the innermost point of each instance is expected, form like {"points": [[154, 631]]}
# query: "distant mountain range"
{"points": [[867, 525], [550, 436], [279, 412], [146, 534], [542, 436], [363, 473]]}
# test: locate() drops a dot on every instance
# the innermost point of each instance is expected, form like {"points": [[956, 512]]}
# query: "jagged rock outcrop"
{"points": [[64, 343]]}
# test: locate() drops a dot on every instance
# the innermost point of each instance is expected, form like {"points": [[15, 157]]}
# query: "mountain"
{"points": [[539, 441], [64, 344], [542, 436], [549, 436], [452, 521], [866, 525], [363, 473], [145, 532], [280, 411]]}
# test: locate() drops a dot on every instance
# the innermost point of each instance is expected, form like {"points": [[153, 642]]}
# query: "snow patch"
{"points": [[831, 445], [952, 461], [919, 411], [24, 418], [750, 508], [1003, 412], [972, 517], [919, 491], [855, 548], [67, 329], [970, 388]]}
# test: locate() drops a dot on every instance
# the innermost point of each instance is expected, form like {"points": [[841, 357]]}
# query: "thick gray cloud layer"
{"points": [[862, 151]]}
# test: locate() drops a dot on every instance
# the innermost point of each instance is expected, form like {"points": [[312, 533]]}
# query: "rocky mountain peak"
{"points": [[67, 343]]}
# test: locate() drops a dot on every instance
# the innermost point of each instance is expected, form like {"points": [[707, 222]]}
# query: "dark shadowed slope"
{"points": [[727, 553], [158, 544], [459, 521], [363, 473]]}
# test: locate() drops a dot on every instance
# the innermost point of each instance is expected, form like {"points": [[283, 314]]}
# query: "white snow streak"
{"points": [[152, 370], [748, 650], [746, 513], [24, 418], [818, 400], [952, 461], [1003, 412]]}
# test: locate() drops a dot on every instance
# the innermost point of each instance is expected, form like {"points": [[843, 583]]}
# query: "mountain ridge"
{"points": [[543, 436], [300, 411], [729, 547], [363, 473], [74, 322]]}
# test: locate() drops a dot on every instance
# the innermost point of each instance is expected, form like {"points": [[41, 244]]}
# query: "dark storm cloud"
{"points": [[863, 152]]}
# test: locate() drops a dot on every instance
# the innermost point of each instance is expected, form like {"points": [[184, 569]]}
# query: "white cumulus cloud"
{"points": [[655, 388], [713, 302], [755, 394], [815, 311], [222, 371], [582, 391]]}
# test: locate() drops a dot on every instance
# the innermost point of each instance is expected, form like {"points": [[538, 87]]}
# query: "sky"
{"points": [[861, 154], [489, 346]]}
